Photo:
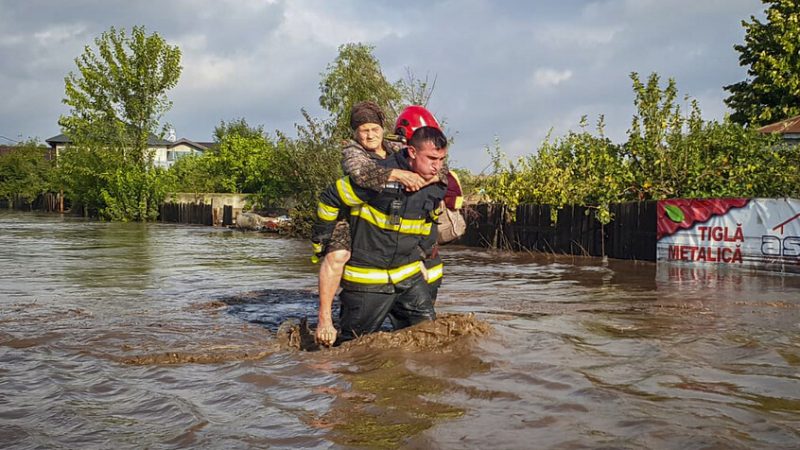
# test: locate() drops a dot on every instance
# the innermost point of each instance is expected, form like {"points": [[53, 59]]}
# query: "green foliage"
{"points": [[82, 172], [25, 172], [733, 161], [305, 166], [118, 95], [117, 99], [659, 145], [111, 188], [772, 54], [668, 154], [580, 168], [243, 161], [192, 174], [240, 163], [133, 193], [238, 127], [354, 76]]}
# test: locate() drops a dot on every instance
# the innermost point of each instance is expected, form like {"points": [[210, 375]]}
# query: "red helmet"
{"points": [[414, 117]]}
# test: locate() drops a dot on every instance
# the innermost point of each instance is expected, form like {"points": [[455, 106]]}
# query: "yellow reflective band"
{"points": [[346, 193], [459, 203], [363, 275], [381, 220], [438, 211], [455, 176], [401, 273], [326, 212], [317, 247], [435, 273]]}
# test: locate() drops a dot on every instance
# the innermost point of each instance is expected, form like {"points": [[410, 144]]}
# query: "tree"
{"points": [[772, 52], [304, 167], [241, 161], [25, 172], [117, 100], [355, 75], [415, 91], [119, 95], [659, 159], [238, 127]]}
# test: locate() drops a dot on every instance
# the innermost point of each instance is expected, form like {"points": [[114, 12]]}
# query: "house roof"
{"points": [[60, 139], [152, 140], [790, 125], [202, 146]]}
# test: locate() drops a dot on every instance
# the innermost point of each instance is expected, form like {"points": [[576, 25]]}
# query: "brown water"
{"points": [[161, 336]]}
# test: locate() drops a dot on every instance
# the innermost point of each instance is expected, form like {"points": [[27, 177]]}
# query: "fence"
{"points": [[202, 208], [630, 235], [195, 213], [48, 202]]}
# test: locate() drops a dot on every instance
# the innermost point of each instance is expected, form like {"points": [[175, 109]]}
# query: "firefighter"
{"points": [[409, 120], [392, 233], [362, 160]]}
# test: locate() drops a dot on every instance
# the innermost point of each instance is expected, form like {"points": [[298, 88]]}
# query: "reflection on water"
{"points": [[150, 335]]}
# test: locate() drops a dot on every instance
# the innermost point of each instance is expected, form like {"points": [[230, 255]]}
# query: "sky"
{"points": [[507, 72]]}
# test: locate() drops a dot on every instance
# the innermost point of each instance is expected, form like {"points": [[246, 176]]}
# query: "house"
{"points": [[164, 152], [788, 128], [180, 148]]}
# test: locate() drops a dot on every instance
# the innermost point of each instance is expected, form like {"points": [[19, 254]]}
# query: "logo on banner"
{"points": [[788, 246]]}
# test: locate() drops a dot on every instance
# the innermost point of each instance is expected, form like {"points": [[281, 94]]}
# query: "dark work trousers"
{"points": [[364, 312], [434, 290]]}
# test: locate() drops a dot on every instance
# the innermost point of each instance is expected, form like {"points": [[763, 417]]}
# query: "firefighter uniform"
{"points": [[392, 232]]}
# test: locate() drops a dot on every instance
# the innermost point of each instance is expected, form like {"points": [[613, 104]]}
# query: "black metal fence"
{"points": [[194, 213], [630, 235], [48, 202]]}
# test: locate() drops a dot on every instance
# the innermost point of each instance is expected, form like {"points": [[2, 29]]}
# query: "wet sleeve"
{"points": [[363, 170], [454, 196], [328, 209], [443, 174]]}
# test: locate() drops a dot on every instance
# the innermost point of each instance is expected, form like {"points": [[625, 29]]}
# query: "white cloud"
{"points": [[576, 35], [323, 25], [59, 34], [550, 77]]}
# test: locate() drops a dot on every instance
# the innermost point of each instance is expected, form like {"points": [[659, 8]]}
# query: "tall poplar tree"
{"points": [[354, 76], [117, 99], [771, 52]]}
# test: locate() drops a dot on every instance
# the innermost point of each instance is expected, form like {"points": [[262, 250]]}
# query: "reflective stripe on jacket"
{"points": [[392, 231]]}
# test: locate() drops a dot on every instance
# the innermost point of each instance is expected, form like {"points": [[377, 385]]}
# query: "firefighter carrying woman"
{"points": [[376, 229]]}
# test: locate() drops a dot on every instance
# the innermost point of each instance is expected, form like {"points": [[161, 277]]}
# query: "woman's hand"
{"points": [[411, 180]]}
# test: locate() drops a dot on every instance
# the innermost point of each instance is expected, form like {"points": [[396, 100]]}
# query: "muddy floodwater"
{"points": [[162, 336]]}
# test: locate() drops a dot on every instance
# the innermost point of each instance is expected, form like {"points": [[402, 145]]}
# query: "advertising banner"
{"points": [[759, 233]]}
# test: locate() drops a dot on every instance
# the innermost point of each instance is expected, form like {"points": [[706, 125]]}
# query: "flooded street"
{"points": [[163, 336]]}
